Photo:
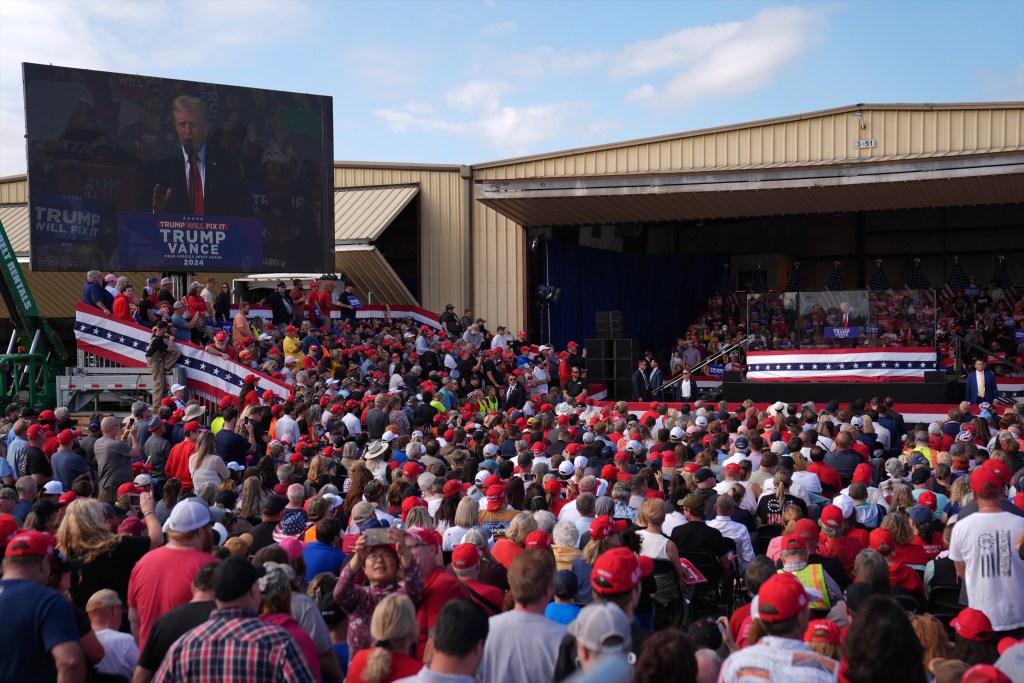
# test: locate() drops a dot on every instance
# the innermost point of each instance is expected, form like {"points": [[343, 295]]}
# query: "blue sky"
{"points": [[468, 82]]}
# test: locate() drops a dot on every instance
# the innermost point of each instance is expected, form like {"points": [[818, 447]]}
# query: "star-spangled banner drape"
{"points": [[1002, 278], [841, 365], [125, 343]]}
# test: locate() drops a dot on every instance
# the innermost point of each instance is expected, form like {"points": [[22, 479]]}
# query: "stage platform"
{"points": [[939, 392]]}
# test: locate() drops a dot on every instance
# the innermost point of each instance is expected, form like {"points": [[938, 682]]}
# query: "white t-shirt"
{"points": [[994, 572], [520, 647], [672, 520], [121, 653]]}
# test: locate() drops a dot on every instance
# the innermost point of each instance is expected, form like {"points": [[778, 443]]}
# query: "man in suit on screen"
{"points": [[197, 179]]}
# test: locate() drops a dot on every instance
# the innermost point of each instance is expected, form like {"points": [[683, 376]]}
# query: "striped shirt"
{"points": [[235, 646]]}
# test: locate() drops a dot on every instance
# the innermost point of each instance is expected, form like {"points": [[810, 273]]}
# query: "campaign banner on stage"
{"points": [[171, 242], [1018, 335], [842, 332], [716, 370], [841, 365]]}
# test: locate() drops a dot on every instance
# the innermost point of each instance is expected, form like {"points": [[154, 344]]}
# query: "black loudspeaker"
{"points": [[623, 390], [599, 348], [600, 369], [624, 368], [626, 349], [609, 325], [935, 376], [732, 376]]}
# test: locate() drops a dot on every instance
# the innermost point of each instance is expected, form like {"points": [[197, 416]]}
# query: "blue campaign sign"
{"points": [[716, 370], [871, 329], [842, 332], [1018, 335], [171, 242]]}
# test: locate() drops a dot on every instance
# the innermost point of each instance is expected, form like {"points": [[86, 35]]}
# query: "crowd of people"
{"points": [[418, 510], [773, 321]]}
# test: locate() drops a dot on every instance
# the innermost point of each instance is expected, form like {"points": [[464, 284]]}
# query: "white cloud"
{"points": [[543, 61], [474, 95], [481, 113], [154, 38], [500, 29], [723, 59]]}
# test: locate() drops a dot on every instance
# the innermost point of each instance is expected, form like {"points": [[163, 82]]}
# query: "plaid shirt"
{"points": [[235, 646]]}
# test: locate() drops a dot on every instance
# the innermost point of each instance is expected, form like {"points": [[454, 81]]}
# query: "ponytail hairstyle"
{"points": [[394, 629], [783, 479]]}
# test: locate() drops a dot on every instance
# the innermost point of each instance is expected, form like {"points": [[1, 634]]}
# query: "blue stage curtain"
{"points": [[659, 295]]}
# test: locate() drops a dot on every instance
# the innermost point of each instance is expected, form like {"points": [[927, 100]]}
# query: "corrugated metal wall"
{"points": [[442, 224], [811, 140], [499, 269]]}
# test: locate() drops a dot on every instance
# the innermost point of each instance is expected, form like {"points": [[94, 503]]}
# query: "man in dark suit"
{"points": [[981, 384], [197, 180], [848, 316], [515, 394], [641, 382]]}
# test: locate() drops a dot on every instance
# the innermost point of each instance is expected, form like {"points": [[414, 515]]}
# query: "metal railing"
{"points": [[707, 361]]}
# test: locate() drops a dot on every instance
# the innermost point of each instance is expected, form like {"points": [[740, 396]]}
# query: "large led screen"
{"points": [[136, 173]]}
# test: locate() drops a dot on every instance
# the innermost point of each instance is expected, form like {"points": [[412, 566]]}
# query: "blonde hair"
{"points": [[898, 523], [84, 533], [829, 650], [419, 516], [394, 629], [902, 497], [205, 447], [467, 513], [521, 526], [317, 466], [653, 510], [869, 426]]}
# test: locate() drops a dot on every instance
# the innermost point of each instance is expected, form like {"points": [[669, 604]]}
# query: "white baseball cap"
{"points": [[389, 436], [187, 516], [676, 433], [490, 449], [53, 488], [175, 388], [566, 469]]}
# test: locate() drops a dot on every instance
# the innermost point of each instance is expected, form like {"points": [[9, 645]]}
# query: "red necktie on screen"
{"points": [[846, 319], [195, 186]]}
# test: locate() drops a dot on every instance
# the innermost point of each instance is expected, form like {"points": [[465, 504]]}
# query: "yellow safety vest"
{"points": [[813, 576], [488, 405]]}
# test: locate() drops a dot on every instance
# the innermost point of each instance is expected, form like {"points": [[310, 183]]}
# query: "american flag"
{"points": [[841, 365], [879, 282], [1002, 278], [125, 343], [835, 281], [957, 279], [726, 288], [760, 284], [917, 279], [796, 282]]}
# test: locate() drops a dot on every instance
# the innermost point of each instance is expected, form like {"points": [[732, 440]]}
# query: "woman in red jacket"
{"points": [[124, 300]]}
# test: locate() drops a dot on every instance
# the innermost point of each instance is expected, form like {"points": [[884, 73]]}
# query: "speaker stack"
{"points": [[612, 357]]}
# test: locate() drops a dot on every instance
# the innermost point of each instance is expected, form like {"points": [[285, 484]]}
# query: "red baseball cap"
{"points": [[563, 420], [191, 426], [781, 597], [128, 488], [453, 487], [47, 416], [881, 540], [618, 570], [34, 432], [410, 503], [985, 673], [428, 536], [654, 405], [690, 467], [985, 480], [928, 499], [30, 543], [220, 336], [822, 631], [832, 516], [608, 472], [495, 497], [972, 624], [296, 458], [68, 436], [862, 473], [604, 526], [732, 467], [669, 459], [805, 528], [622, 456], [1000, 468], [465, 555], [492, 480], [538, 447], [793, 542], [538, 539], [412, 468], [553, 486], [67, 497]]}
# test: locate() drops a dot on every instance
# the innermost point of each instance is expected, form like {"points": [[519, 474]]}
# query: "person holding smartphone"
{"points": [[236, 442], [382, 556]]}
